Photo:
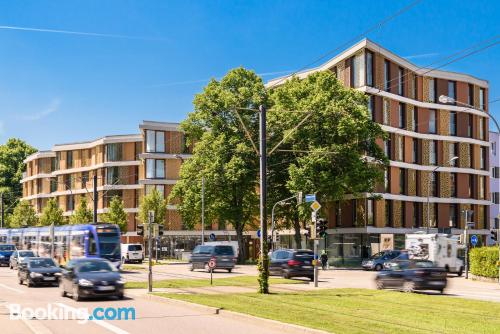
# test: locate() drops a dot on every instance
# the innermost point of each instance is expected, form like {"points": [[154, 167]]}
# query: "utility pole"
{"points": [[203, 210], [263, 199], [466, 240], [1, 209], [151, 219], [314, 233], [95, 197]]}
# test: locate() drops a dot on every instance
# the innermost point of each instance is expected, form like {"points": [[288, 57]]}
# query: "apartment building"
{"points": [[424, 136], [494, 182]]}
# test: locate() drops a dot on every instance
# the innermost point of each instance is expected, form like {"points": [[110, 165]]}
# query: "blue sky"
{"points": [[153, 56]]}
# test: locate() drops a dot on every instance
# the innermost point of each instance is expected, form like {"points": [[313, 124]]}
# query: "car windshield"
{"points": [[41, 263], [224, 250], [203, 250], [6, 248], [26, 254], [134, 247], [95, 266]]}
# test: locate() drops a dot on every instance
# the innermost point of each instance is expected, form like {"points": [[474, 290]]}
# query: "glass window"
{"points": [[369, 217], [415, 151], [159, 187], [470, 125], [369, 68], [402, 115], [452, 152], [452, 89], [53, 185], [85, 179], [481, 99], [150, 168], [453, 215], [432, 121], [402, 181], [388, 213], [494, 148], [371, 111], [387, 148], [482, 158], [470, 100], [357, 71], [386, 180], [432, 152], [387, 75], [401, 148], [495, 198], [160, 141], [433, 215], [114, 152], [434, 184], [415, 119], [70, 203], [481, 187], [150, 140], [155, 168], [112, 175], [481, 128], [432, 90], [401, 87], [415, 88], [471, 185], [387, 112], [453, 184], [495, 172], [453, 123], [160, 169], [69, 159]]}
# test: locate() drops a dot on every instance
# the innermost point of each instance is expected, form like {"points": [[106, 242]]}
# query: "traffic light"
{"points": [[140, 229], [161, 227], [322, 227], [494, 235]]}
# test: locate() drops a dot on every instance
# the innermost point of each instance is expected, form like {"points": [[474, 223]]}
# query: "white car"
{"points": [[132, 253]]}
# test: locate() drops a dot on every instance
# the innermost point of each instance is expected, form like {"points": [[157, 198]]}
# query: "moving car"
{"points": [[292, 263], [91, 277], [132, 253], [223, 255], [376, 262], [5, 253], [39, 271], [412, 275], [19, 256]]}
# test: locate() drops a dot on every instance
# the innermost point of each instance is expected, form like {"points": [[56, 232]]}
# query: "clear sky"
{"points": [[147, 59]]}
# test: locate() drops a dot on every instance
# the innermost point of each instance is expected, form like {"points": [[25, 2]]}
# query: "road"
{"points": [[151, 316]]}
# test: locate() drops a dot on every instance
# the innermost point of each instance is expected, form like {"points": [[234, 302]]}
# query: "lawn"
{"points": [[362, 311], [196, 283]]}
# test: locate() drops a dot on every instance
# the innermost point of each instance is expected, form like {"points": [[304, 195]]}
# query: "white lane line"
{"points": [[12, 289], [101, 323]]}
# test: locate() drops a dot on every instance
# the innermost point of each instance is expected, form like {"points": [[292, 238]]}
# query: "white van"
{"points": [[132, 253], [438, 248]]}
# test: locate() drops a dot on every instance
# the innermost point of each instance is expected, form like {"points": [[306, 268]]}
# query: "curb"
{"points": [[270, 324]]}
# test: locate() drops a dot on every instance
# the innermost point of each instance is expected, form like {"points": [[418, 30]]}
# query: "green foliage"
{"points": [[52, 214], [483, 261], [116, 214], [82, 214], [12, 155], [263, 267], [154, 201], [23, 215]]}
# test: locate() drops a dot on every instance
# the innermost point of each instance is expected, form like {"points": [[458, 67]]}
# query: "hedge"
{"points": [[483, 261]]}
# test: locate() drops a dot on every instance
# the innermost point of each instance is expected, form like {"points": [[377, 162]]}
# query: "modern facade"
{"points": [[494, 182], [424, 135]]}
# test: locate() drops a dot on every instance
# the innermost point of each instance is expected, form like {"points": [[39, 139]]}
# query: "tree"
{"points": [[12, 156], [154, 201], [223, 155], [82, 215], [23, 215], [116, 213], [52, 214]]}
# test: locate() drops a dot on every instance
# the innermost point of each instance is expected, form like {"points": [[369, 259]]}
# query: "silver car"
{"points": [[18, 256]]}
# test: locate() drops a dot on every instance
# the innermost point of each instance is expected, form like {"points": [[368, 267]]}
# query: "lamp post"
{"points": [[448, 100], [282, 202], [429, 193]]}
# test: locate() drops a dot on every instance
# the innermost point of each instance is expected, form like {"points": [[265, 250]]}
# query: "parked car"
{"points": [[292, 263], [223, 255], [6, 251], [132, 253], [18, 256], [403, 255], [412, 275], [91, 277], [39, 271], [376, 262]]}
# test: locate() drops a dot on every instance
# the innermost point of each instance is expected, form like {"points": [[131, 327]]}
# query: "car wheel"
{"points": [[229, 270], [29, 284], [286, 275], [311, 278], [20, 281], [379, 284], [460, 271], [74, 294], [409, 286], [191, 266], [441, 291], [378, 267]]}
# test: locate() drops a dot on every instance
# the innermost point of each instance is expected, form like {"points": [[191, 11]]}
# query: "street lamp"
{"points": [[429, 192]]}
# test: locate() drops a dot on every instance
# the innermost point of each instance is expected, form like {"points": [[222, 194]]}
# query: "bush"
{"points": [[483, 261]]}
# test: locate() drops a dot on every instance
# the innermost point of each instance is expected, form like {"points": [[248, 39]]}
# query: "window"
{"points": [[452, 89], [470, 99], [453, 151], [85, 179], [432, 152], [432, 90], [402, 115], [433, 184], [414, 155], [357, 70], [482, 158], [471, 156], [112, 175], [369, 68], [388, 213], [401, 86], [69, 159], [371, 111], [159, 187], [453, 184], [387, 112], [481, 128], [155, 168], [432, 121], [70, 203], [386, 180], [155, 141], [495, 198], [481, 99], [387, 75], [401, 148], [338, 214], [53, 185], [433, 216], [415, 88], [453, 215], [415, 210], [453, 123], [470, 125], [387, 148], [109, 194], [402, 181], [494, 148], [68, 182], [415, 119], [471, 185], [114, 152], [481, 187], [495, 172], [369, 209]]}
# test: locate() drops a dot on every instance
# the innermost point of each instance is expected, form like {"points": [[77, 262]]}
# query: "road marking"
{"points": [[12, 289], [101, 323], [36, 326]]}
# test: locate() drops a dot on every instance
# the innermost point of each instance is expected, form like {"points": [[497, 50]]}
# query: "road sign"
{"points": [[310, 198], [315, 206], [258, 233], [473, 240], [212, 264], [212, 236]]}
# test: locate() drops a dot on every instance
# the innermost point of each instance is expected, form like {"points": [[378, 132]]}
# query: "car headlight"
{"points": [[120, 281], [57, 274], [33, 275], [1, 256], [85, 282]]}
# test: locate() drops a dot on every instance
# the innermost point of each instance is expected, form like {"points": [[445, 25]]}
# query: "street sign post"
{"points": [[315, 206], [258, 233], [473, 240], [310, 198], [211, 266], [212, 236], [151, 219]]}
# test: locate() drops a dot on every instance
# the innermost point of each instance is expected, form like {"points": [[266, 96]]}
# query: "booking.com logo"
{"points": [[61, 311]]}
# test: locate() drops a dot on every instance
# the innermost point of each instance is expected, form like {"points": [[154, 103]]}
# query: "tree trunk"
{"points": [[296, 227], [242, 255]]}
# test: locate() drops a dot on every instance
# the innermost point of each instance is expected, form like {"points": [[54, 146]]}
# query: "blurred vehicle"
{"points": [[91, 277], [376, 262], [39, 271], [412, 275], [223, 255], [18, 256], [132, 253], [439, 248], [403, 255], [6, 251], [292, 263]]}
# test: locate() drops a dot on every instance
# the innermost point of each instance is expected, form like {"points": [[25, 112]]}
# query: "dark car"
{"points": [[39, 271], [377, 261], [5, 254], [292, 263], [223, 255], [19, 256], [412, 275], [91, 277]]}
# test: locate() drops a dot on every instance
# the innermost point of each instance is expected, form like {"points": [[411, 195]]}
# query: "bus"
{"points": [[70, 241]]}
